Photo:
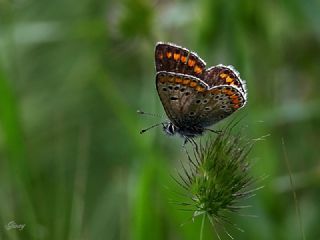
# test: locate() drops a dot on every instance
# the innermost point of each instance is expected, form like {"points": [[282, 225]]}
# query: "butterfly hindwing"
{"points": [[224, 75], [218, 103]]}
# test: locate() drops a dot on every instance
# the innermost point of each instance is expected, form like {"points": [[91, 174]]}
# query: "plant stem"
{"points": [[202, 226]]}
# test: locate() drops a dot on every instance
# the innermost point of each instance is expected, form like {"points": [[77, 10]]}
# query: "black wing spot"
{"points": [[176, 88], [170, 87], [192, 113], [207, 108], [187, 93], [205, 101], [198, 101], [182, 89], [173, 98], [164, 89]]}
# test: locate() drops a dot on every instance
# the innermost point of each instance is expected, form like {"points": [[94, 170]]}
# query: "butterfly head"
{"points": [[169, 128]]}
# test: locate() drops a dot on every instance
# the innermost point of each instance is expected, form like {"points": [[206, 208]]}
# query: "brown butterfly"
{"points": [[192, 96]]}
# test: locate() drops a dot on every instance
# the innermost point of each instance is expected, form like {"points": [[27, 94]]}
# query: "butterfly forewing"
{"points": [[172, 58]]}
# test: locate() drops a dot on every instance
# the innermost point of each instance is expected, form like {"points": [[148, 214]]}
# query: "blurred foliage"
{"points": [[73, 74]]}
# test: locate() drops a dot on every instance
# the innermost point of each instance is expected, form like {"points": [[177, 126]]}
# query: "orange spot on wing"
{"points": [[191, 62], [229, 79], [200, 89], [193, 84], [160, 56], [229, 92], [162, 80], [223, 75], [236, 106], [235, 101], [176, 56], [169, 54], [215, 91], [171, 79], [197, 69], [233, 96], [178, 80], [186, 81], [183, 59]]}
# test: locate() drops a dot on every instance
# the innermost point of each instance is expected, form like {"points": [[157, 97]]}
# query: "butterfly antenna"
{"points": [[149, 114], [144, 130]]}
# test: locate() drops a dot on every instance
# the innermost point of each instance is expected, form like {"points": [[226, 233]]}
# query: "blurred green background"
{"points": [[72, 75]]}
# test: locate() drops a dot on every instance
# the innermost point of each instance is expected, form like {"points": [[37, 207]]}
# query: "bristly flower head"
{"points": [[218, 177]]}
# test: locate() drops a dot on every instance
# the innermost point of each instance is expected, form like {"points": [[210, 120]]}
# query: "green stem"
{"points": [[202, 226]]}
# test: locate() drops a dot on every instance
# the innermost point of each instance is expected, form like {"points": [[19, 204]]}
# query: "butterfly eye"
{"points": [[171, 129]]}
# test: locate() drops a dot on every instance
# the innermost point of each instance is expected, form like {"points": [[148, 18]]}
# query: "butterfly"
{"points": [[192, 96]]}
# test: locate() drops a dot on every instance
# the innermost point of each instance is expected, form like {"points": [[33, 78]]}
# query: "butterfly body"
{"points": [[194, 97]]}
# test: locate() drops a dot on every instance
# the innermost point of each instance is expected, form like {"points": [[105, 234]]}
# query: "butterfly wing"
{"points": [[188, 101], [172, 58], [218, 103], [177, 91], [224, 75]]}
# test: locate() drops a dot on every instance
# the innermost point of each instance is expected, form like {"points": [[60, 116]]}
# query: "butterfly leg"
{"points": [[214, 131], [195, 145], [186, 140], [192, 142]]}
